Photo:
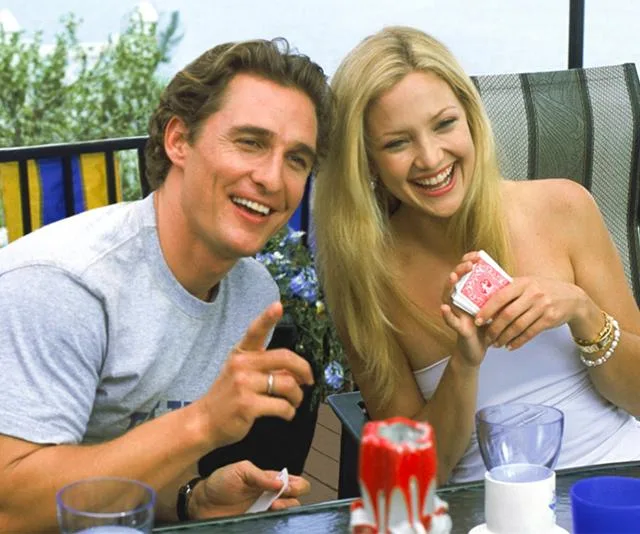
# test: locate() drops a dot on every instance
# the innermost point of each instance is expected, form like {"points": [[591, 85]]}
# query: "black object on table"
{"points": [[352, 413], [466, 507]]}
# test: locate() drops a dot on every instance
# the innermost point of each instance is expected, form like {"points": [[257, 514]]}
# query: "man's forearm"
{"points": [[158, 453]]}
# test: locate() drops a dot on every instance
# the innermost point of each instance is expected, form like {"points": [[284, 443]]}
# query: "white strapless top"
{"points": [[547, 370]]}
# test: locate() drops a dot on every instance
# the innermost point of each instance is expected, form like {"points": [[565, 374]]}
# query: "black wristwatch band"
{"points": [[184, 495]]}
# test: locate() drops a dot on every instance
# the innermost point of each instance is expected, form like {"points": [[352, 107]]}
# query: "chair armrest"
{"points": [[351, 411]]}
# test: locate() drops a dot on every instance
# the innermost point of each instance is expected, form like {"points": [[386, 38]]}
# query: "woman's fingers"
{"points": [[519, 329], [454, 277]]}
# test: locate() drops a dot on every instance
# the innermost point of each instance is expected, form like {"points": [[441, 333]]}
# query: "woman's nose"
{"points": [[429, 154]]}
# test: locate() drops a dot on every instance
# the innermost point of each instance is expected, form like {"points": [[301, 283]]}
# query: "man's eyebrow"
{"points": [[253, 130], [268, 134]]}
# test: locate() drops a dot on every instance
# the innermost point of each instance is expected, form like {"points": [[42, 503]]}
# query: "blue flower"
{"points": [[334, 375], [262, 258], [305, 284], [277, 264], [290, 263], [268, 258], [291, 238]]}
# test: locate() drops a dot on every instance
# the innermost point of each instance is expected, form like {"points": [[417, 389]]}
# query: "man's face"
{"points": [[245, 174]]}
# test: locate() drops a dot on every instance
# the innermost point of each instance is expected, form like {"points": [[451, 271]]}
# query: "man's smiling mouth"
{"points": [[252, 205]]}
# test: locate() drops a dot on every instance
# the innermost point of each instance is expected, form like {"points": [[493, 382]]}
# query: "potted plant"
{"points": [[290, 262]]}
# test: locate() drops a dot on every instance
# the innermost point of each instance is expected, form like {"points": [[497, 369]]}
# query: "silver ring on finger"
{"points": [[270, 381]]}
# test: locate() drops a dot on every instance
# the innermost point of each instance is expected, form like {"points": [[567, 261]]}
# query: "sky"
{"points": [[487, 36]]}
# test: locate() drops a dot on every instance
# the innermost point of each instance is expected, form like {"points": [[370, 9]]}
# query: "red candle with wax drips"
{"points": [[398, 480]]}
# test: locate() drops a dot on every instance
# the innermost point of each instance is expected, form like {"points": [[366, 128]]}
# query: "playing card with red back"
{"points": [[484, 280]]}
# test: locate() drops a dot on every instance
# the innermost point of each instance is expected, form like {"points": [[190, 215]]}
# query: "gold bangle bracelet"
{"points": [[615, 338], [602, 340]]}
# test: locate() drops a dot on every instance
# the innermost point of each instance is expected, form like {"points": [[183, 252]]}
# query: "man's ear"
{"points": [[175, 140]]}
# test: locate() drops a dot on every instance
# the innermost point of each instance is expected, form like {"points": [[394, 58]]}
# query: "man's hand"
{"points": [[253, 383], [232, 489]]}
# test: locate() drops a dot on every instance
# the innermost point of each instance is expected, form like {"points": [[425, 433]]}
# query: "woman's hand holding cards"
{"points": [[476, 287], [471, 342], [513, 311], [528, 306]]}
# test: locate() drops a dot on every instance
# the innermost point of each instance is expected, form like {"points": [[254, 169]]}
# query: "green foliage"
{"points": [[66, 96], [74, 94]]}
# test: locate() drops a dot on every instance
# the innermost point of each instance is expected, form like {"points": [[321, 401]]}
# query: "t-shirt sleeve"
{"points": [[52, 342]]}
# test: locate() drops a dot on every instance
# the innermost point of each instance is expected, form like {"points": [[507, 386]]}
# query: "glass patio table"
{"points": [[466, 507]]}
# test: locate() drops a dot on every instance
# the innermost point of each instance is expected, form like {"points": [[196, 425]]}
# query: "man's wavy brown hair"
{"points": [[197, 92]]}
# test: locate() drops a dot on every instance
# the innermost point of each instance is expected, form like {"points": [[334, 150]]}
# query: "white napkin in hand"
{"points": [[268, 497]]}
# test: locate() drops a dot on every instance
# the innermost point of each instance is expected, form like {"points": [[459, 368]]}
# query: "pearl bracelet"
{"points": [[612, 347]]}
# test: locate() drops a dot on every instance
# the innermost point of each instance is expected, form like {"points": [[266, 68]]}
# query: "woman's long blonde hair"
{"points": [[352, 221]]}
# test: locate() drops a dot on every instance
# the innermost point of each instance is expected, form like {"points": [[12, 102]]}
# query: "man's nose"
{"points": [[269, 173]]}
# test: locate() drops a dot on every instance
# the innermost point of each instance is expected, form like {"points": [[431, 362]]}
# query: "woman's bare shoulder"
{"points": [[549, 196]]}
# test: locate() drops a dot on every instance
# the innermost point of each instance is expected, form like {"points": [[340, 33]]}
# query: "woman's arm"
{"points": [[451, 409], [532, 304], [600, 274]]}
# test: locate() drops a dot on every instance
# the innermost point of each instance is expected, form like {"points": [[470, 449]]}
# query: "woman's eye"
{"points": [[395, 144], [446, 123]]}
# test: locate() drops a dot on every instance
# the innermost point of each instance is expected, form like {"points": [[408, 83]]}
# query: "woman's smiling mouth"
{"points": [[442, 179]]}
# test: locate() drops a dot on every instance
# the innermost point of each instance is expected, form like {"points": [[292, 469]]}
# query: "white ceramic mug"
{"points": [[520, 498]]}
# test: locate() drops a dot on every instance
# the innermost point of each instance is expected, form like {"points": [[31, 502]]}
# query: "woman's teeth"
{"points": [[439, 180]]}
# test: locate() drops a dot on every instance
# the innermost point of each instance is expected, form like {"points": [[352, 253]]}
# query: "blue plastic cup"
{"points": [[606, 505]]}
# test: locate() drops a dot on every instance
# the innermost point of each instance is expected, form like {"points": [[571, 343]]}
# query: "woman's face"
{"points": [[420, 144]]}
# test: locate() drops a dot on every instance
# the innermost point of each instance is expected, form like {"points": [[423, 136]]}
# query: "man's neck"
{"points": [[192, 264]]}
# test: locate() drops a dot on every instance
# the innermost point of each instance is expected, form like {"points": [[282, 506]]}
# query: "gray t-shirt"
{"points": [[97, 335]]}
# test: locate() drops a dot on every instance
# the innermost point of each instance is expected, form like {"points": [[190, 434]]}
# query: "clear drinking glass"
{"points": [[106, 505], [519, 433]]}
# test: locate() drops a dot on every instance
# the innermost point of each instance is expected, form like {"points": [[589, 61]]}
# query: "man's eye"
{"points": [[299, 161], [249, 142]]}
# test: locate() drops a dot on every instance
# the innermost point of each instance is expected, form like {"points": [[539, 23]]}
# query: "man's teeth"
{"points": [[255, 206], [437, 180]]}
